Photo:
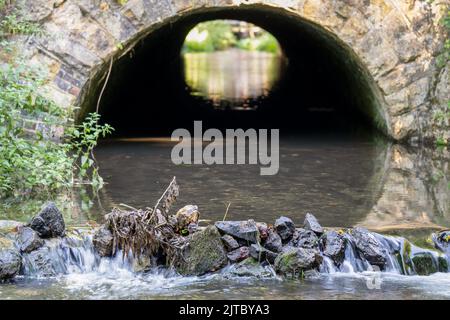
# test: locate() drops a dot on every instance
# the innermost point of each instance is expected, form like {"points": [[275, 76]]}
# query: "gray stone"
{"points": [[296, 261], [10, 264], [205, 253], [103, 242], [244, 230], [230, 243], [369, 247], [238, 254], [273, 241], [442, 241], [304, 239], [9, 226], [49, 223], [285, 228], [334, 246], [261, 254], [312, 224], [28, 240], [251, 268]]}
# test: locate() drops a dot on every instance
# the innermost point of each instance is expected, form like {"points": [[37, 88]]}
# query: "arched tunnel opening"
{"points": [[322, 93], [322, 87]]}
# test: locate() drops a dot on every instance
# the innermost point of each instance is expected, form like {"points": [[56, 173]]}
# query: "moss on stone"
{"points": [[205, 253], [424, 264]]}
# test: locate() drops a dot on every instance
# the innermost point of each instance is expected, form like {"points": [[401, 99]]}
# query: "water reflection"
{"points": [[232, 78], [344, 183]]}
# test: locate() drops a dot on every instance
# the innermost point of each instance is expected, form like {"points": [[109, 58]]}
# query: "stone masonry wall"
{"points": [[396, 40]]}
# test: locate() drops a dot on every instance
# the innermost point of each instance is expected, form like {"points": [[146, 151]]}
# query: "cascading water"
{"points": [[75, 254]]}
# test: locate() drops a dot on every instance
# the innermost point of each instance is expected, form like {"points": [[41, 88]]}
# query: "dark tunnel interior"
{"points": [[323, 88]]}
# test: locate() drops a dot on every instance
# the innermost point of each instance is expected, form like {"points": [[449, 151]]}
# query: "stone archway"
{"points": [[392, 44]]}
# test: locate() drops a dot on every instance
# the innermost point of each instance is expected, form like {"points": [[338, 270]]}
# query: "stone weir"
{"points": [[45, 248]]}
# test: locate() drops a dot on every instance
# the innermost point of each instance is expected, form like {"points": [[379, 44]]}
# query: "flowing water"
{"points": [[344, 180]]}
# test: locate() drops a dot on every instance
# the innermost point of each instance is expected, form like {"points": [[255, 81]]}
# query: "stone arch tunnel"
{"points": [[376, 57]]}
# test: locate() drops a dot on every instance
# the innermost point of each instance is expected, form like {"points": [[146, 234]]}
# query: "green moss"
{"points": [[204, 254], [424, 264], [442, 264]]}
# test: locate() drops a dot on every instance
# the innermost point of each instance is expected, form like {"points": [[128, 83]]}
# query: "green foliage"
{"points": [[84, 139], [11, 25], [218, 35], [28, 165], [30, 162], [210, 36], [266, 43]]}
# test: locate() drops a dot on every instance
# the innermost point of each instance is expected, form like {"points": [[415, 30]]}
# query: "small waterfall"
{"points": [[75, 254]]}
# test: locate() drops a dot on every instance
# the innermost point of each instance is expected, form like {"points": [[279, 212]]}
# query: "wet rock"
{"points": [[296, 261], [442, 264], [10, 263], [334, 246], [205, 253], [442, 241], [103, 242], [263, 230], [273, 241], [260, 253], [251, 268], [230, 243], [6, 243], [186, 216], [9, 226], [285, 228], [142, 263], [49, 223], [192, 227], [40, 263], [28, 240], [312, 224], [424, 264], [238, 254], [244, 230], [369, 247], [304, 239]]}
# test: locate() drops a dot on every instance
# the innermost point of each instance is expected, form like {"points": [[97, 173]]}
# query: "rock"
{"points": [[260, 253], [10, 263], [49, 223], [442, 264], [230, 243], [6, 243], [205, 253], [442, 241], [251, 268], [142, 263], [244, 230], [296, 261], [312, 224], [273, 242], [304, 239], [238, 254], [369, 247], [9, 226], [334, 246], [40, 263], [185, 216], [424, 264], [285, 228], [28, 240], [103, 242], [263, 230]]}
